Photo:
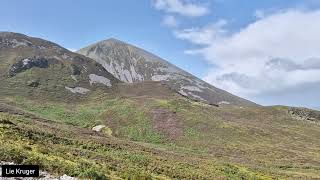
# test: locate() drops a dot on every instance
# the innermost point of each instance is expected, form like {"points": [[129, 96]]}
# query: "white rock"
{"points": [[17, 43], [79, 90], [66, 177], [98, 128], [160, 77], [191, 88], [99, 79], [26, 61], [224, 102], [183, 93]]}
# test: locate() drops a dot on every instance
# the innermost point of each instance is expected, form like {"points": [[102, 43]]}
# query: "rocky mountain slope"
{"points": [[132, 64], [66, 113], [32, 65]]}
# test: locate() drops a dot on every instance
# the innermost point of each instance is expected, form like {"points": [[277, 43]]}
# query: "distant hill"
{"points": [[132, 64]]}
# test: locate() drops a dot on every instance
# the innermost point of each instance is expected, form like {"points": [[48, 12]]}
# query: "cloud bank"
{"points": [[277, 52]]}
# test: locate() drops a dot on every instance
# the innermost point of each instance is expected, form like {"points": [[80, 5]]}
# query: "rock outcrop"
{"points": [[28, 63], [305, 114]]}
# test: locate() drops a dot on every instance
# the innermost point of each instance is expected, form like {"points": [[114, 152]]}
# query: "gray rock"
{"points": [[99, 79], [79, 90], [33, 83], [304, 114], [66, 177]]}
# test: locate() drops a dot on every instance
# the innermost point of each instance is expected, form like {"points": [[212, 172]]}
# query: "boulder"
{"points": [[98, 128], [33, 83], [103, 129]]}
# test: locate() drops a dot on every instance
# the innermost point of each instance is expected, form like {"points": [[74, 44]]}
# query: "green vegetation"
{"points": [[61, 149], [128, 121], [229, 142], [192, 133], [131, 122], [107, 131], [157, 138], [175, 105], [261, 137], [82, 115]]}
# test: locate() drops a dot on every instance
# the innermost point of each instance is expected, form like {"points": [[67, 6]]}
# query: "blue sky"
{"points": [[204, 37]]}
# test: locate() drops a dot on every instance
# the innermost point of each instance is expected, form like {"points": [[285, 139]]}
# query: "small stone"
{"points": [[66, 177], [33, 83]]}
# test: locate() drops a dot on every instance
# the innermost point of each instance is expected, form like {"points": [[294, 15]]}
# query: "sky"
{"points": [[266, 51]]}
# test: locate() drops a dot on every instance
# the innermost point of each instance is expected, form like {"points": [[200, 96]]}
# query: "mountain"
{"points": [[64, 112], [132, 64], [36, 67]]}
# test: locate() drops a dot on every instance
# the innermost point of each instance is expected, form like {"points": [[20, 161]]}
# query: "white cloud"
{"points": [[170, 21], [278, 51], [181, 7], [203, 36]]}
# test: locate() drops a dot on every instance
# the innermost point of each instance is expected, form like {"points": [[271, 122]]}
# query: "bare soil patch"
{"points": [[167, 122]]}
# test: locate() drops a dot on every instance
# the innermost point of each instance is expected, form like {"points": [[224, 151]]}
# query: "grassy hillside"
{"points": [[59, 149], [157, 135]]}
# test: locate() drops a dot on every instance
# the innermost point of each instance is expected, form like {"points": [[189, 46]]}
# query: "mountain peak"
{"points": [[131, 64], [112, 41]]}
